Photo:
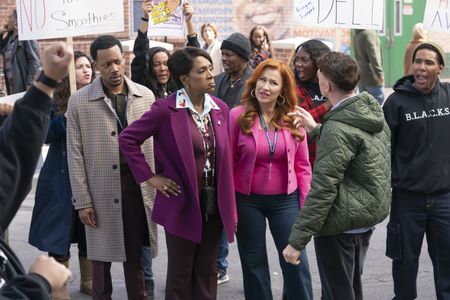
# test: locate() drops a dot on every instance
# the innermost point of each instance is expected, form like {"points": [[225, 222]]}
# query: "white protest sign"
{"points": [[436, 17], [360, 14], [166, 18], [11, 99], [45, 19]]}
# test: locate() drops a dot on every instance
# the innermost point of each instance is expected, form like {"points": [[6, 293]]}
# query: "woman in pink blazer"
{"points": [[272, 177], [192, 158]]}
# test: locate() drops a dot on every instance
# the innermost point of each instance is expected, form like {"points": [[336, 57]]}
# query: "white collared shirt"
{"points": [[183, 101]]}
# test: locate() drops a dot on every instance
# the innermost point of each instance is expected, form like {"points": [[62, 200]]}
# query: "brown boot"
{"points": [[62, 293], [85, 275]]}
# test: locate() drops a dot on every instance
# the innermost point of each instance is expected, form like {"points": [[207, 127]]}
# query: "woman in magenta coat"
{"points": [[192, 157]]}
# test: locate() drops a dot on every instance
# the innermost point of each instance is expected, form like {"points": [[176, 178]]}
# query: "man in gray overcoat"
{"points": [[113, 207]]}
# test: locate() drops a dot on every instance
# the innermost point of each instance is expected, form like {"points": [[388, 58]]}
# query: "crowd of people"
{"points": [[212, 142]]}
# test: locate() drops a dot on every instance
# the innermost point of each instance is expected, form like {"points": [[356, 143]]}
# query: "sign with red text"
{"points": [[360, 14], [45, 19], [437, 15]]}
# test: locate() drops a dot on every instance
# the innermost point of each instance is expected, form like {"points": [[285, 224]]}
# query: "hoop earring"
{"points": [[252, 93], [283, 102]]}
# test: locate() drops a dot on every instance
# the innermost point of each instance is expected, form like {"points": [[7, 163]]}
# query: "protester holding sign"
{"points": [[21, 58]]}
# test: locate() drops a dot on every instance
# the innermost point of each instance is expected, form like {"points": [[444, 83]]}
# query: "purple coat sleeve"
{"points": [[132, 137]]}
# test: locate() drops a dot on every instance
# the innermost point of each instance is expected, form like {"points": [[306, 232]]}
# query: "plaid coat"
{"points": [[93, 155]]}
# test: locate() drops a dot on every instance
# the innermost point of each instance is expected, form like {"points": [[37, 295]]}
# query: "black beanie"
{"points": [[239, 44]]}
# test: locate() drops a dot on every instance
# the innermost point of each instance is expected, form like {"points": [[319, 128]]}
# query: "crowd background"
{"points": [[132, 13]]}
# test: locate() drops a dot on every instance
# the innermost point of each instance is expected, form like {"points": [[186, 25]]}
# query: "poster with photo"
{"points": [[166, 18]]}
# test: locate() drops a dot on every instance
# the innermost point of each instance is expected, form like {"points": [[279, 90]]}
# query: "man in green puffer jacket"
{"points": [[351, 187]]}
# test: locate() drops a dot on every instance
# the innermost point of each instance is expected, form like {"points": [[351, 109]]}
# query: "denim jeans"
{"points": [[340, 259], [222, 254], [281, 212], [414, 214], [146, 259], [376, 91]]}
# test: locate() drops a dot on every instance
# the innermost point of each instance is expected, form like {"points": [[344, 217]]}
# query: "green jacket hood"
{"points": [[361, 111]]}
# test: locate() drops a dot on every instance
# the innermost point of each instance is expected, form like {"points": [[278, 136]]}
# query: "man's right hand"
{"points": [[87, 216], [56, 60], [55, 273]]}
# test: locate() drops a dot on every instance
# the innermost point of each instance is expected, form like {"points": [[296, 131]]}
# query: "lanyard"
{"points": [[272, 146]]}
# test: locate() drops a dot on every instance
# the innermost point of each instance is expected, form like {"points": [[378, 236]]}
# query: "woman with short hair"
{"points": [[192, 176]]}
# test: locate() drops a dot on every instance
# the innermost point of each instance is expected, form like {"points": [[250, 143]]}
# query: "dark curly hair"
{"points": [[62, 91]]}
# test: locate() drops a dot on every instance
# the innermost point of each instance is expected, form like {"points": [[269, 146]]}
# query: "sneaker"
{"points": [[222, 278]]}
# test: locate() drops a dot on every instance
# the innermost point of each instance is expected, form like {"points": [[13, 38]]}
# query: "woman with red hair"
{"points": [[272, 177]]}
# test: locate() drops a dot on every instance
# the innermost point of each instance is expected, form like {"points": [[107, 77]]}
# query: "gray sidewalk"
{"points": [[376, 280]]}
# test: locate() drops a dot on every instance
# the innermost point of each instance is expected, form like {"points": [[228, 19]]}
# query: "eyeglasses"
{"points": [[301, 60]]}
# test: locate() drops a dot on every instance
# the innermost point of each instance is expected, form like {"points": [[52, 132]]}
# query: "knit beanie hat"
{"points": [[435, 47], [239, 44]]}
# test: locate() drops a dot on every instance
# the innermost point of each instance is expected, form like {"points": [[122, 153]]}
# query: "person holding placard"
{"points": [[21, 58]]}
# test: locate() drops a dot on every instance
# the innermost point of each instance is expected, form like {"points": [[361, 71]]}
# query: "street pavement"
{"points": [[377, 279]]}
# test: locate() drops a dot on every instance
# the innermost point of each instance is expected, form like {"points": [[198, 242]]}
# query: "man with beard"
{"points": [[109, 201], [229, 87], [418, 113]]}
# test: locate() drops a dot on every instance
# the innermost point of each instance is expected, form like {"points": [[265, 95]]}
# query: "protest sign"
{"points": [[436, 17], [11, 99], [40, 19], [166, 18], [361, 14]]}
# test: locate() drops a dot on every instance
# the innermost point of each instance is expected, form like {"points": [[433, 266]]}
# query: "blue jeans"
{"points": [[146, 260], [281, 212], [414, 214], [376, 91], [222, 254]]}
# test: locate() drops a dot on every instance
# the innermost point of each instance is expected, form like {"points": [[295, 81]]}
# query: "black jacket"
{"points": [[21, 138], [420, 136]]}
